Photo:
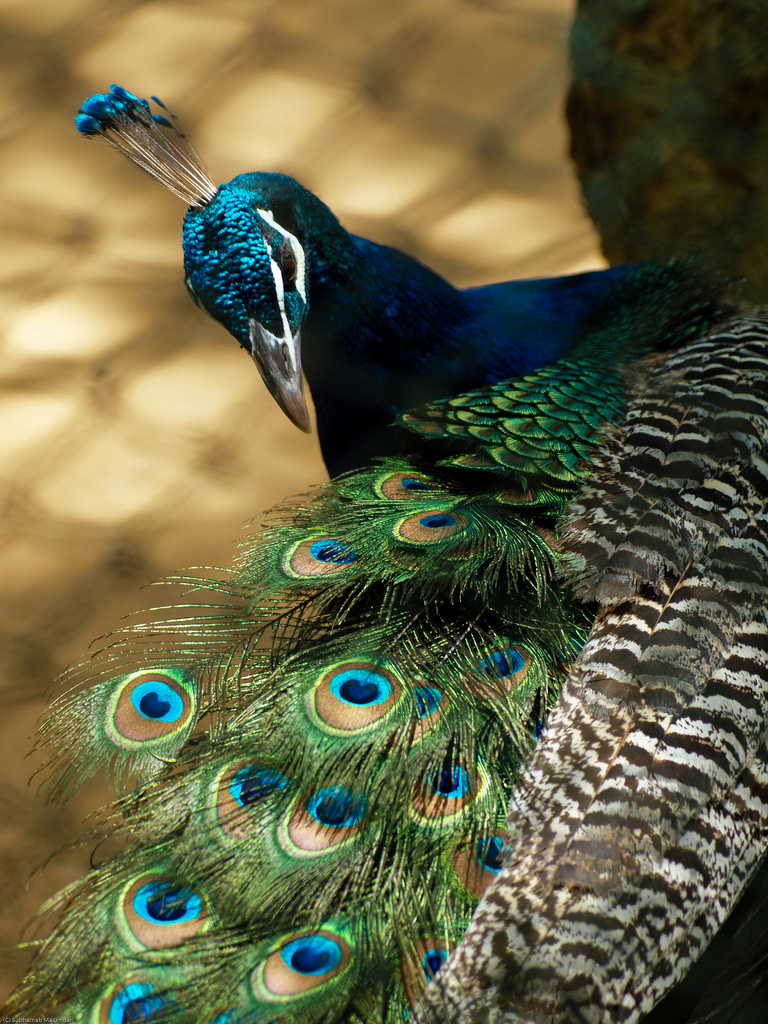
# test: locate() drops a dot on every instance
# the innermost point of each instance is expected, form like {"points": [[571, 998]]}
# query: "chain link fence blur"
{"points": [[135, 437]]}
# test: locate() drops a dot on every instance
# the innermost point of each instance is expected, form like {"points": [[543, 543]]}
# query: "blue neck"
{"points": [[381, 333], [386, 334]]}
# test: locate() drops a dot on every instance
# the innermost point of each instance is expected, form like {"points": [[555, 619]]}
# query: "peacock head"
{"points": [[244, 255], [247, 269]]}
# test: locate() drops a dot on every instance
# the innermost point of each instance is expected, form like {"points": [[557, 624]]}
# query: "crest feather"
{"points": [[152, 141]]}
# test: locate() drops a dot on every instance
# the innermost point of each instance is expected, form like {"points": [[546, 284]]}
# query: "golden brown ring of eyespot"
{"points": [[427, 722], [395, 485], [302, 834], [161, 934], [443, 794], [232, 818], [428, 527], [305, 558], [276, 980], [496, 684], [241, 792], [341, 704], [412, 968], [170, 703], [472, 874], [133, 988]]}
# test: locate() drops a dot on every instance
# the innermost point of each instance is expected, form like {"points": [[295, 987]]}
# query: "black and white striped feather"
{"points": [[644, 813]]}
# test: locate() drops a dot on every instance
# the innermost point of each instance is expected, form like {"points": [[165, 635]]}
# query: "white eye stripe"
{"points": [[279, 286], [278, 276], [296, 247]]}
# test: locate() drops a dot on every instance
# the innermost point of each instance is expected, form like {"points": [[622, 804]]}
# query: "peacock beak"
{"points": [[279, 362]]}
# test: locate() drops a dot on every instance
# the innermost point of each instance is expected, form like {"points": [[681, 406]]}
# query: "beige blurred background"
{"points": [[135, 437]]}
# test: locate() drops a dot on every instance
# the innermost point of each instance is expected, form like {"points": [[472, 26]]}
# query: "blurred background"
{"points": [[135, 437]]}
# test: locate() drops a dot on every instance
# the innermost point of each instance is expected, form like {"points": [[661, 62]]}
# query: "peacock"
{"points": [[475, 731]]}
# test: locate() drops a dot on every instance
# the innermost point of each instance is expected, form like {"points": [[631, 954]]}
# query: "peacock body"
{"points": [[320, 762]]}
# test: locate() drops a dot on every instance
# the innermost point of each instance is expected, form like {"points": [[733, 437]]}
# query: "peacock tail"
{"points": [[327, 802], [388, 651]]}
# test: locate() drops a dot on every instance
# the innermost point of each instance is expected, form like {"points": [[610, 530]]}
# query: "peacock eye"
{"points": [[288, 268]]}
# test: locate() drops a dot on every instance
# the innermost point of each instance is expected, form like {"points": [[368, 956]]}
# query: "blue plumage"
{"points": [[376, 332]]}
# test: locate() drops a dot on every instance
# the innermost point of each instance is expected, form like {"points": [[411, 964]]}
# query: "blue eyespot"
{"points": [[252, 784], [312, 954], [361, 686], [489, 854], [428, 700], [337, 807], [452, 781], [335, 551], [433, 960], [135, 1003], [152, 705], [432, 527], [319, 556], [500, 664], [438, 522], [354, 695], [400, 485], [158, 701], [161, 903]]}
